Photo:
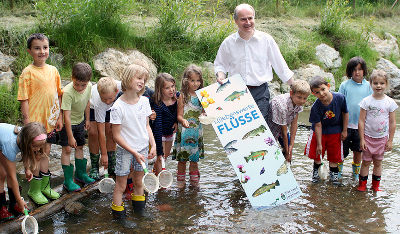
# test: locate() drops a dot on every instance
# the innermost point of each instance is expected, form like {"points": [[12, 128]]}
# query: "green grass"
{"points": [[10, 107]]}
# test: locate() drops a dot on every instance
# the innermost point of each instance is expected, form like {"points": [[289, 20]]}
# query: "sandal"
{"points": [[181, 180], [194, 177]]}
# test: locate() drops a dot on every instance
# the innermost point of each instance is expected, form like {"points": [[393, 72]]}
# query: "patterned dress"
{"points": [[189, 144]]}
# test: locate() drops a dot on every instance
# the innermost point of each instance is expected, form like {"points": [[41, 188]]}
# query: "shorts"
{"points": [[375, 148], [78, 132], [331, 143], [168, 138], [92, 117], [352, 142], [124, 161], [53, 137]]}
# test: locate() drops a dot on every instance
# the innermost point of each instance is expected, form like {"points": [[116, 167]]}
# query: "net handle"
{"points": [[162, 162], [144, 167], [105, 172]]}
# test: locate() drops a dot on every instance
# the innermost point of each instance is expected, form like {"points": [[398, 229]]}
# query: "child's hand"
{"points": [[72, 142], [104, 160], [388, 146], [87, 124], [185, 123], [22, 204], [344, 135], [363, 147], [175, 127], [319, 149], [28, 175], [140, 158], [153, 115], [152, 153]]}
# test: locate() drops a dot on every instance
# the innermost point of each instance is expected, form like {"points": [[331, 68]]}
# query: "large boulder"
{"points": [[328, 56], [112, 63], [393, 74], [386, 46], [6, 75], [310, 71], [6, 78]]}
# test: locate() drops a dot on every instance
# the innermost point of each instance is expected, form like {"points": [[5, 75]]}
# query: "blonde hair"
{"points": [[189, 71], [378, 73], [159, 85], [300, 86], [25, 139], [133, 71], [106, 85]]}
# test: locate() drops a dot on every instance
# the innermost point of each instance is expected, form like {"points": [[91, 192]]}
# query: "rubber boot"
{"points": [[362, 185], [356, 170], [375, 184], [4, 213], [111, 163], [340, 166], [69, 183], [94, 170], [119, 215], [46, 188], [138, 205], [80, 172], [12, 203], [35, 192]]}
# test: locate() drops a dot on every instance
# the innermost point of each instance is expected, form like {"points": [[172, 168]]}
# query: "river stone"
{"points": [[112, 63], [328, 56], [5, 62], [74, 207], [393, 74], [310, 71], [385, 47], [6, 78]]}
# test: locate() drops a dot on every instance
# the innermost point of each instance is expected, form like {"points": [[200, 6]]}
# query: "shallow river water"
{"points": [[220, 204]]}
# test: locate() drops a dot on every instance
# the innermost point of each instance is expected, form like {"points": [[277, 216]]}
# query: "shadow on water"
{"points": [[220, 204]]}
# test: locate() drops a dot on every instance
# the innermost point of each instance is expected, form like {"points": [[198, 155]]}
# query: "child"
{"points": [[132, 133], [31, 141], [376, 127], [165, 105], [354, 89], [75, 105], [104, 94], [39, 91], [284, 111], [189, 139], [329, 118]]}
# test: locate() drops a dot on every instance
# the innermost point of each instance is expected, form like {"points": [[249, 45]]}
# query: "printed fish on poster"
{"points": [[255, 132], [256, 155], [265, 188]]}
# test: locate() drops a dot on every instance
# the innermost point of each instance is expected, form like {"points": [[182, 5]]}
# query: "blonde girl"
{"points": [[132, 133], [189, 139], [376, 126], [31, 142], [164, 103]]}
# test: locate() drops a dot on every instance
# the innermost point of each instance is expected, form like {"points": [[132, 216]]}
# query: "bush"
{"points": [[334, 17], [9, 111]]}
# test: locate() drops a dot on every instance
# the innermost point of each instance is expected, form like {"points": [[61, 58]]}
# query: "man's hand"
{"points": [[220, 77]]}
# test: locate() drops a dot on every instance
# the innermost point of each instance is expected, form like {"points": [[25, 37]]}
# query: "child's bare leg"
{"points": [[3, 176], [377, 171], [193, 166], [93, 141], [110, 143], [194, 173], [332, 164], [47, 149], [65, 155], [167, 145], [357, 157], [119, 189], [79, 152], [365, 168], [44, 164], [157, 165], [137, 183], [181, 174]]}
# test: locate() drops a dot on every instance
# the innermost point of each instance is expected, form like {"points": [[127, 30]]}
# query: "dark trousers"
{"points": [[261, 96]]}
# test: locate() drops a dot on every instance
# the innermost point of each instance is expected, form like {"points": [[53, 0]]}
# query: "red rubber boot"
{"points": [[375, 185], [362, 185]]}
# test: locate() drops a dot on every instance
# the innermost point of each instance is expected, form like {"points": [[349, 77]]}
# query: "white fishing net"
{"points": [[150, 183], [165, 178], [106, 185]]}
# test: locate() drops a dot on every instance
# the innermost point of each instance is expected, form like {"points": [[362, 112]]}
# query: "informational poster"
{"points": [[256, 157]]}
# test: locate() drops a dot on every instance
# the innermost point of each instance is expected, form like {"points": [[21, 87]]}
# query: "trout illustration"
{"points": [[223, 86], [255, 132], [235, 95], [265, 188], [230, 144], [283, 169], [256, 155]]}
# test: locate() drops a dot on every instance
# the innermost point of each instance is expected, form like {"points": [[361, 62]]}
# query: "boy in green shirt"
{"points": [[75, 106]]}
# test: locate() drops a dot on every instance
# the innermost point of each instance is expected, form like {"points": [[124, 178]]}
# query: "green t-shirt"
{"points": [[75, 102]]}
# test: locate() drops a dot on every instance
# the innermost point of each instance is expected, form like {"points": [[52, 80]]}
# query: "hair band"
{"points": [[40, 137]]}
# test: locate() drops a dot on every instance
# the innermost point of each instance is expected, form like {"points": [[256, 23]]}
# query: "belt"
{"points": [[251, 86]]}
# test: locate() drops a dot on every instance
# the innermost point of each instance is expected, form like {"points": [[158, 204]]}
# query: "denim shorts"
{"points": [[124, 161]]}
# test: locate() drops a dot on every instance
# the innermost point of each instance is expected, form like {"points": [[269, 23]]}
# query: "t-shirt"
{"points": [[354, 93], [76, 102], [41, 86], [330, 116], [100, 108], [133, 120], [8, 141], [282, 112], [377, 118]]}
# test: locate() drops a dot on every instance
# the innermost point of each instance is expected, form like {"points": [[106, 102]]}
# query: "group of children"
{"points": [[128, 124], [360, 118]]}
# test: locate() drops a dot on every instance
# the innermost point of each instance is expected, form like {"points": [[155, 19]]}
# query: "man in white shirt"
{"points": [[252, 54]]}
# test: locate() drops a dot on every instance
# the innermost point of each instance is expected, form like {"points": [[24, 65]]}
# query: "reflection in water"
{"points": [[220, 204]]}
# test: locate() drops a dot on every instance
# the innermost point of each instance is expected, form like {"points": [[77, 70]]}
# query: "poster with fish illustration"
{"points": [[249, 144]]}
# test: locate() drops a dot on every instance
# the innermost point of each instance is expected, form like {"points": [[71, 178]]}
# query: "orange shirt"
{"points": [[41, 86]]}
